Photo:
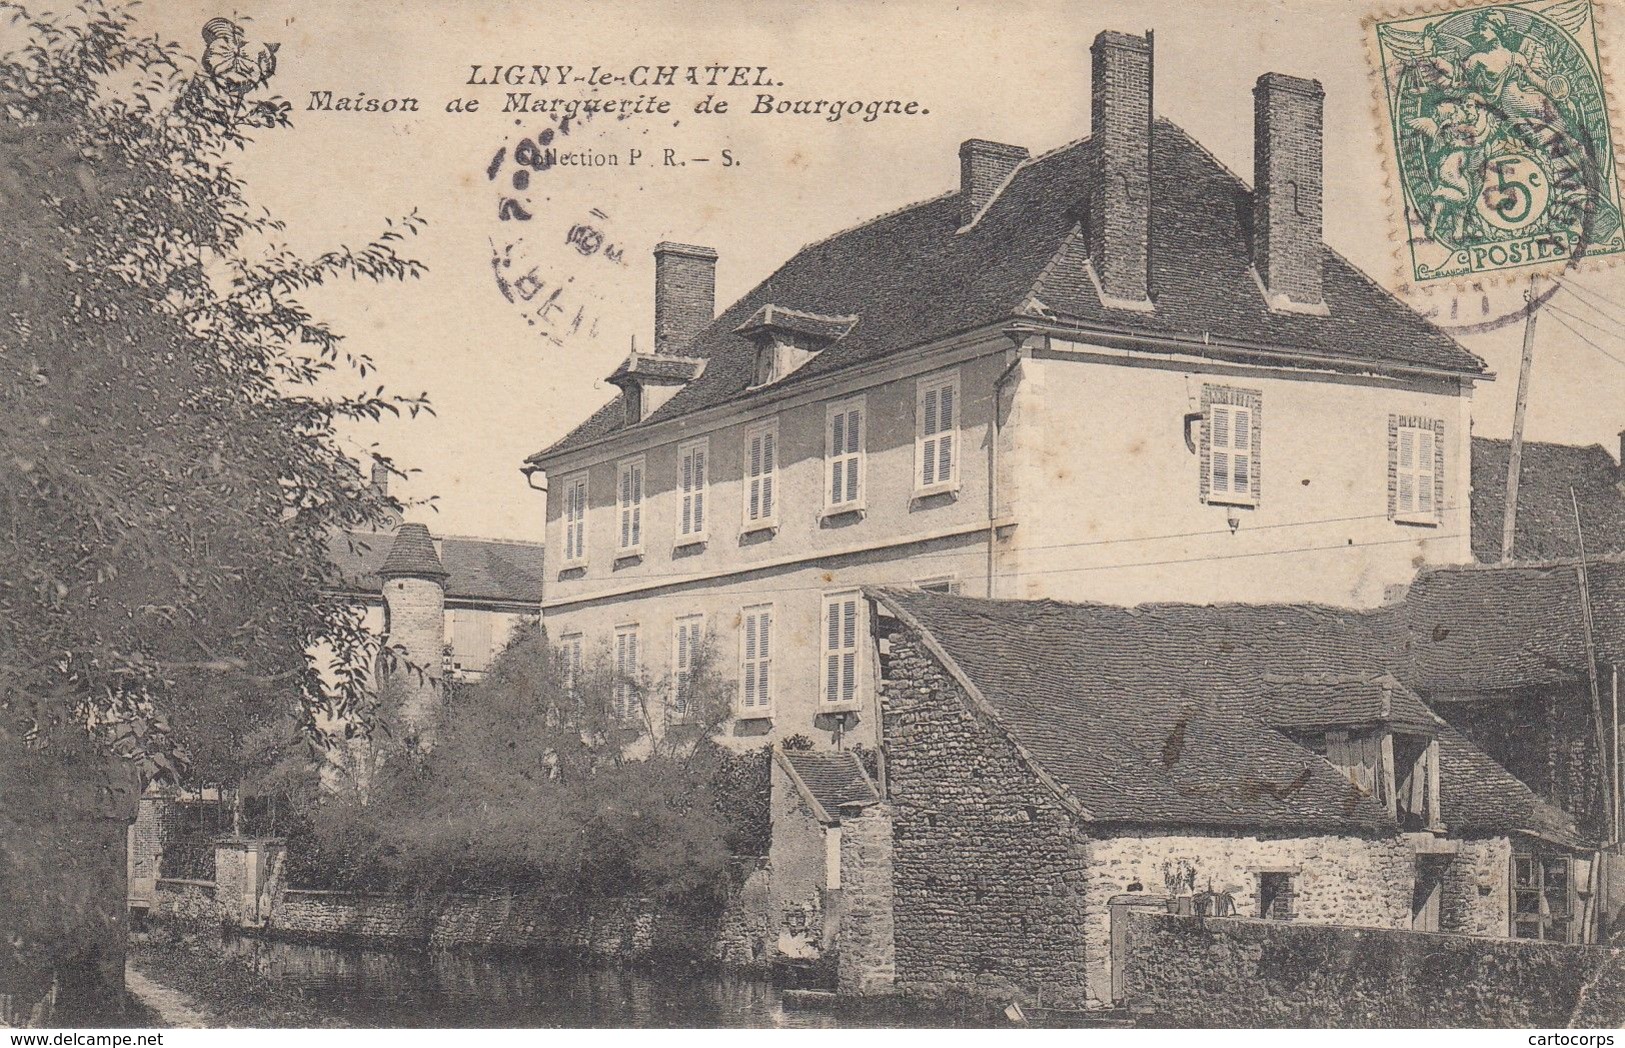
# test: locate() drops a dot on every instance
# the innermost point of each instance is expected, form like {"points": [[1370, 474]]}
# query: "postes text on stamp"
{"points": [[1499, 122]]}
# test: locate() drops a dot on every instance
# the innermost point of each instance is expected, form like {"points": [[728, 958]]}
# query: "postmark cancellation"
{"points": [[1499, 134]]}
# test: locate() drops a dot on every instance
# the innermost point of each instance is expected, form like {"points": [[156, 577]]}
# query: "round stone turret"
{"points": [[415, 623]]}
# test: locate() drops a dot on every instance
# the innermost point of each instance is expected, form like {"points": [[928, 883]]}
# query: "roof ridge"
{"points": [[1032, 295], [1359, 273], [1009, 178], [1552, 564], [1595, 445], [486, 538]]}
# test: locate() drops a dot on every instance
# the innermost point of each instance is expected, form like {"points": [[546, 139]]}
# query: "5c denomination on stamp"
{"points": [[1502, 145]]}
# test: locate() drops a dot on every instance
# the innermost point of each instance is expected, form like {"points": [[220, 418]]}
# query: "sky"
{"points": [[511, 364]]}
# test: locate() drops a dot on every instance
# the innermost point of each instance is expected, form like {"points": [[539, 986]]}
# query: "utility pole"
{"points": [[1509, 523], [1583, 577]]}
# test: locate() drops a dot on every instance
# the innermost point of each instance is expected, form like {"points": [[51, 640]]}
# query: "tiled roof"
{"points": [[1158, 715], [656, 369], [794, 321], [833, 778], [1332, 700], [912, 277], [412, 553], [476, 569], [1488, 628], [1545, 527]]}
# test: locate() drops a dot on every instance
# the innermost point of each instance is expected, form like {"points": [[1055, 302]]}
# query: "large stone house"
{"points": [[1110, 372], [1264, 753]]}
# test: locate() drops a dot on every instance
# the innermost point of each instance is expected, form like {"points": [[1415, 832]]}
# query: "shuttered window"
{"points": [[1231, 445], [936, 432], [473, 639], [761, 472], [692, 463], [626, 671], [1415, 468], [1230, 464], [756, 660], [629, 498], [843, 456], [686, 645], [575, 519], [570, 647], [840, 634]]}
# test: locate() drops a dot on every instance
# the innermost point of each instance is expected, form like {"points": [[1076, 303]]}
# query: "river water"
{"points": [[386, 988]]}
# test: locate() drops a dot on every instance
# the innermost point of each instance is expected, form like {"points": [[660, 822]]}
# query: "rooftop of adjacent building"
{"points": [[495, 571], [1545, 523], [1171, 714]]}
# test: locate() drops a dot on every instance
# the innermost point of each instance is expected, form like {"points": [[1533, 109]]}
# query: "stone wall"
{"points": [[186, 902], [1240, 972], [796, 881], [743, 933], [988, 868], [868, 956], [612, 929], [1347, 880], [1001, 891], [1477, 898]]}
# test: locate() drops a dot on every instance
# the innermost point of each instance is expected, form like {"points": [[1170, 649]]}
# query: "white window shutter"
{"points": [[699, 489]]}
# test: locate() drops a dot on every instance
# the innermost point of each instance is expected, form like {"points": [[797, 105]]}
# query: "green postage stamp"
{"points": [[1499, 120]]}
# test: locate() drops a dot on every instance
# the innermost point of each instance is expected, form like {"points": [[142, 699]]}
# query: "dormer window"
{"points": [[647, 381], [785, 339], [1373, 730]]}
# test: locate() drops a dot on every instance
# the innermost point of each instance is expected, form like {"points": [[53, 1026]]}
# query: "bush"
{"points": [[549, 777]]}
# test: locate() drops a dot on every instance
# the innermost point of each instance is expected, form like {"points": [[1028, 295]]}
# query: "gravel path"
{"points": [[177, 1010]]}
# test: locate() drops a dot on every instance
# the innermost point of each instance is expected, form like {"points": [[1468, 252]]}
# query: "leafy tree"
{"points": [[581, 782], [170, 464]]}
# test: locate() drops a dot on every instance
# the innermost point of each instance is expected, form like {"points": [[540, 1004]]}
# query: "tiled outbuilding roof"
{"points": [[496, 570], [1545, 525], [913, 277], [1160, 714], [1313, 701], [1488, 627], [832, 778]]}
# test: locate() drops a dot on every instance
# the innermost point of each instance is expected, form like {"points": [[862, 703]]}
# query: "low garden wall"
{"points": [[622, 929], [612, 930], [1240, 972]]}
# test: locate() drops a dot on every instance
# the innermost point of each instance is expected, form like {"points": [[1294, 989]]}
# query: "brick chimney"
{"points": [[380, 477], [1287, 157], [1120, 199], [983, 167], [685, 294]]}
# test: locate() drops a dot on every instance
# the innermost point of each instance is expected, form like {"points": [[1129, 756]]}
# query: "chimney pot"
{"points": [[1288, 115], [983, 167], [685, 294], [380, 477], [1120, 198]]}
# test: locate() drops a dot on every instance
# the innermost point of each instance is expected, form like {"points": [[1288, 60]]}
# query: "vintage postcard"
{"points": [[673, 514]]}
